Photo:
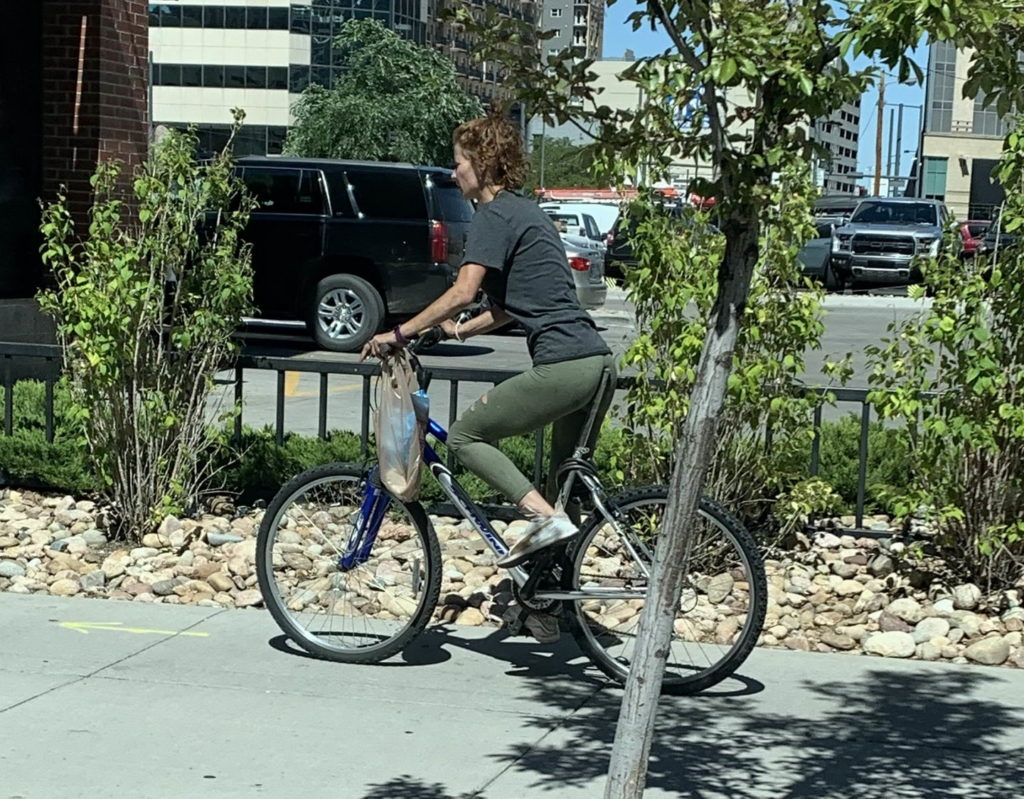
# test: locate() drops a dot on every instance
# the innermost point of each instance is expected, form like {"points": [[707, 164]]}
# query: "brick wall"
{"points": [[95, 91]]}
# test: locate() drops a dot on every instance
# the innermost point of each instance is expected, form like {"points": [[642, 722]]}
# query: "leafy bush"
{"points": [[888, 469], [954, 376], [27, 457], [146, 302]]}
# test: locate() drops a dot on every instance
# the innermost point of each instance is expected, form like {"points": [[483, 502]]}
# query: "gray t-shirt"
{"points": [[528, 277]]}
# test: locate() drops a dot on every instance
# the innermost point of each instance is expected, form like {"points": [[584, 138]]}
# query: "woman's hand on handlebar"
{"points": [[380, 346], [449, 327]]}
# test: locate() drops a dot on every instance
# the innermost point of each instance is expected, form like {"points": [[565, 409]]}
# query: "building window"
{"points": [[167, 15], [935, 178], [940, 103], [986, 119], [556, 12], [218, 76]]}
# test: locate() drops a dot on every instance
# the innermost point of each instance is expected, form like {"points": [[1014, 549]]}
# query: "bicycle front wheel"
{"points": [[361, 614], [722, 604]]}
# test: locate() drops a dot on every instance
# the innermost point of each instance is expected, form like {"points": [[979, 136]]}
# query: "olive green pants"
{"points": [[559, 393]]}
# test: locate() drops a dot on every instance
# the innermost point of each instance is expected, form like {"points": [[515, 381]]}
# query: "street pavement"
{"points": [[100, 698]]}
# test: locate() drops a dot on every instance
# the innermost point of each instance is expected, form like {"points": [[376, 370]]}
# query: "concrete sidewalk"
{"points": [[166, 701]]}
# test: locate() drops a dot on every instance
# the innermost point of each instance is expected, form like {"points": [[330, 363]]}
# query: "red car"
{"points": [[971, 233]]}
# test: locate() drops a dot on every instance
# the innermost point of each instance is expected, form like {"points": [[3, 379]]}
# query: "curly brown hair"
{"points": [[495, 149]]}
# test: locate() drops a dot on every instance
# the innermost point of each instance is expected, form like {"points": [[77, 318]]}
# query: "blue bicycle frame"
{"points": [[376, 501]]}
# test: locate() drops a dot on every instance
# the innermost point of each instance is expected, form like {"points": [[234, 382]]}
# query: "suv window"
{"points": [[284, 191], [884, 213], [448, 199], [388, 194]]}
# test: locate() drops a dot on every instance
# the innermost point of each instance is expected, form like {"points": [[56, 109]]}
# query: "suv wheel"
{"points": [[347, 312]]}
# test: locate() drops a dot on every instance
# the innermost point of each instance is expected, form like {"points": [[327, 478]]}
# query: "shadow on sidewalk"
{"points": [[888, 734]]}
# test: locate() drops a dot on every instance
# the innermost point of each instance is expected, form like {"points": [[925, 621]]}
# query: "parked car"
{"points": [[815, 256], [603, 214], [996, 239], [971, 233], [588, 278], [884, 235], [346, 248]]}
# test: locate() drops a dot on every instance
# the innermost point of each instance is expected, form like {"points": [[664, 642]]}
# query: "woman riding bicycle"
{"points": [[514, 254]]}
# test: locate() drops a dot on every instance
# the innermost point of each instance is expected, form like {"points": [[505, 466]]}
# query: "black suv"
{"points": [[346, 247]]}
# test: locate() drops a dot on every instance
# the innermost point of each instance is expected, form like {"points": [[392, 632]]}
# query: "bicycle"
{"points": [[352, 575]]}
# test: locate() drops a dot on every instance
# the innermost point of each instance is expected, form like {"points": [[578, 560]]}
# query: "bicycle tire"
{"points": [[596, 628], [354, 598]]}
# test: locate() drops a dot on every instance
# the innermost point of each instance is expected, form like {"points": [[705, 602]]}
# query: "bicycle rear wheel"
{"points": [[721, 608], [359, 615]]}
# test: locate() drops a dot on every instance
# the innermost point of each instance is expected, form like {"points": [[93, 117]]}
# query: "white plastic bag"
{"points": [[400, 425]]}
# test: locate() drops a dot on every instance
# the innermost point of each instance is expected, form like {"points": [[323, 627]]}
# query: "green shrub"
{"points": [[888, 467]]}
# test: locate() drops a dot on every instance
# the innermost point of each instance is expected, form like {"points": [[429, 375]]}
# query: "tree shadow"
{"points": [[892, 734], [883, 733]]}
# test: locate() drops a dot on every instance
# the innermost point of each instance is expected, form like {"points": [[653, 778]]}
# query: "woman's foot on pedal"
{"points": [[544, 532]]}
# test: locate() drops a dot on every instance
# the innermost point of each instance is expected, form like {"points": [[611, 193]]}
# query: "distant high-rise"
{"points": [[578, 24]]}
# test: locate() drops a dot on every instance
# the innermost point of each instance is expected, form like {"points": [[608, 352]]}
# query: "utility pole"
{"points": [[880, 125], [899, 146], [888, 157]]}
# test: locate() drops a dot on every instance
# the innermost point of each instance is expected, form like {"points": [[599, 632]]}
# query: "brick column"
{"points": [[95, 91]]}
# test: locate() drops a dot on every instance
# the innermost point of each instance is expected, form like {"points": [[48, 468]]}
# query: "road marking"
{"points": [[116, 626], [291, 384]]}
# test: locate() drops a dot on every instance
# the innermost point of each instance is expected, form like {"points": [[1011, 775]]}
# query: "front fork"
{"points": [[366, 523]]}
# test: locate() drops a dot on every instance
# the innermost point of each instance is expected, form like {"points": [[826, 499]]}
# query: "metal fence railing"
{"points": [[17, 361]]}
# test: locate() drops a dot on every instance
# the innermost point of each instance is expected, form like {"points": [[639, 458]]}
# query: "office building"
{"points": [[209, 56], [962, 140]]}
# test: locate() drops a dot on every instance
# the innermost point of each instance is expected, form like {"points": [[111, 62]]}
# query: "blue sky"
{"points": [[619, 36]]}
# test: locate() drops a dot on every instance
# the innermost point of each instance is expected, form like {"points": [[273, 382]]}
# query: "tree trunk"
{"points": [[627, 772]]}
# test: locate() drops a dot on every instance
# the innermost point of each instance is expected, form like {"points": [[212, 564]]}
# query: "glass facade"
{"points": [[942, 58], [220, 76], [251, 139], [175, 15]]}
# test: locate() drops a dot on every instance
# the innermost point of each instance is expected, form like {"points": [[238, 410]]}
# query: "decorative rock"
{"points": [[988, 651], [94, 538], [220, 582], [720, 587], [927, 629], [169, 525], [64, 588], [888, 623], [943, 606], [967, 596], [164, 587], [248, 598], [907, 609], [838, 641], [827, 541], [94, 579], [892, 644], [849, 588], [8, 541], [10, 568], [471, 617], [928, 651], [845, 570], [798, 642], [881, 565], [220, 539], [155, 541]]}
